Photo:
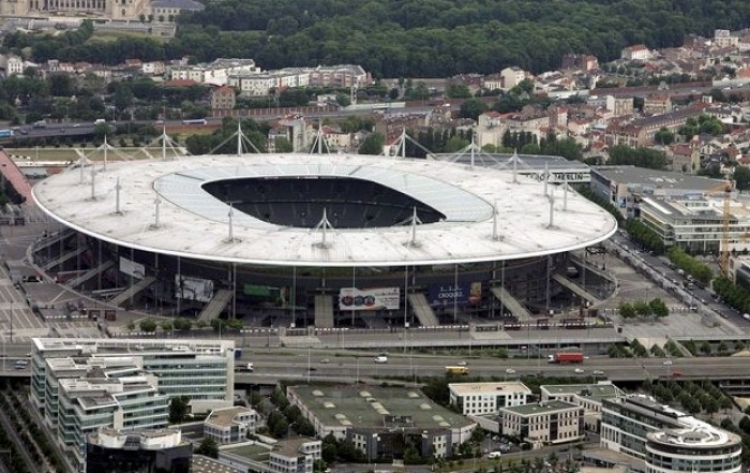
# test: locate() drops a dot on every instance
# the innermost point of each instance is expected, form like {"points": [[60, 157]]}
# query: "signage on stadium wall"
{"points": [[449, 295], [131, 268], [194, 289], [280, 295], [572, 177], [351, 298]]}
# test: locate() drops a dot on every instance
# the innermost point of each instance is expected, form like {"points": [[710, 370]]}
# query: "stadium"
{"points": [[302, 240]]}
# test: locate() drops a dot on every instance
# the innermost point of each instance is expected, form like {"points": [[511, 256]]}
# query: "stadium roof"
{"points": [[164, 209]]}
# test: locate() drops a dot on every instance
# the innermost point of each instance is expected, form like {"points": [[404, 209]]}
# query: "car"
{"points": [[381, 359], [76, 125], [579, 371], [312, 368], [495, 454], [461, 363], [325, 361], [510, 371], [598, 373], [667, 363]]}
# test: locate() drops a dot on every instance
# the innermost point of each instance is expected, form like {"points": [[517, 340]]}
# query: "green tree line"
{"points": [[408, 38], [700, 271], [644, 235]]}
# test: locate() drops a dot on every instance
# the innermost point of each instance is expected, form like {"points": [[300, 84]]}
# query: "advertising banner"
{"points": [[131, 268], [448, 295], [351, 298], [282, 296], [194, 289]]}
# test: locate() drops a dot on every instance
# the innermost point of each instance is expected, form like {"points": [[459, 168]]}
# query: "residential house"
{"points": [[657, 104], [12, 64], [685, 158], [493, 82], [579, 62], [638, 52], [223, 98], [620, 106], [343, 75], [153, 68], [724, 39], [168, 10], [512, 76]]}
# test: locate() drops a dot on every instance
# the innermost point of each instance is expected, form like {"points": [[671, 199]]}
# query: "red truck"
{"points": [[564, 358]]}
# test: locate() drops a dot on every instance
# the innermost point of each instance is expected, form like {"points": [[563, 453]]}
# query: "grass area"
{"points": [[108, 36], [70, 154]]}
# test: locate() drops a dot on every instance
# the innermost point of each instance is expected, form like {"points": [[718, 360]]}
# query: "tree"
{"points": [[179, 406], [372, 144], [472, 108], [208, 447], [626, 310], [166, 325], [148, 325], [283, 145], [664, 136], [742, 177], [183, 324]]}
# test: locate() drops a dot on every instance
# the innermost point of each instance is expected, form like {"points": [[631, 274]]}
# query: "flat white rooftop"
{"points": [[194, 224], [468, 389]]}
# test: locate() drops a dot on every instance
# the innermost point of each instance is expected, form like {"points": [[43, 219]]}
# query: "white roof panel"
{"points": [[194, 224]]}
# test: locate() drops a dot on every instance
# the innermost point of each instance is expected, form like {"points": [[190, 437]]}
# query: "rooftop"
{"points": [[465, 389], [291, 447], [201, 464], [376, 407], [593, 391], [225, 417], [545, 407], [132, 346], [253, 452], [194, 224], [653, 179]]}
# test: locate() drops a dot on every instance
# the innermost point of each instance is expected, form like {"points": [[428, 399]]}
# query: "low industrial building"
{"points": [[230, 424], [665, 439], [290, 456], [543, 423], [382, 422], [116, 451], [587, 396], [625, 186], [487, 398]]}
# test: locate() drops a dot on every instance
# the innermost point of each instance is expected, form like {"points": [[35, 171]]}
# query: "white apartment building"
{"points": [[512, 76], [487, 398], [724, 39], [544, 423], [87, 405], [342, 75], [261, 85], [216, 73], [230, 424], [667, 440], [12, 64]]}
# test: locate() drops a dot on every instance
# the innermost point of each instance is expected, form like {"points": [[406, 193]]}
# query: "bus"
{"points": [[457, 370], [197, 121]]}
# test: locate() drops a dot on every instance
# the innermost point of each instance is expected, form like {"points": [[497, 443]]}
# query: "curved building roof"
{"points": [[189, 222]]}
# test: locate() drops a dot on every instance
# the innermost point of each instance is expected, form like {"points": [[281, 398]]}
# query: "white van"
{"points": [[100, 121], [381, 359]]}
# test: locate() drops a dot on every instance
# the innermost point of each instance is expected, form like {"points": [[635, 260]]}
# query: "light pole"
{"points": [[11, 321], [373, 450]]}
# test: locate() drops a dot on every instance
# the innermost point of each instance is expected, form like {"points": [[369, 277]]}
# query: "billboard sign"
{"points": [[131, 268], [194, 289], [282, 296], [351, 298], [449, 295]]}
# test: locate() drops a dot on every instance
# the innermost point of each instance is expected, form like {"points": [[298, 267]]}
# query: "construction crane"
{"points": [[725, 189]]}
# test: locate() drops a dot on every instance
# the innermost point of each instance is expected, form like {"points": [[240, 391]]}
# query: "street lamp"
{"points": [[373, 450]]}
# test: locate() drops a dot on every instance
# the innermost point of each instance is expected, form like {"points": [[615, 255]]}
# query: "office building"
{"points": [[626, 186], [142, 451], [587, 396], [382, 422], [666, 439], [487, 398], [79, 386], [288, 456], [543, 423], [230, 424], [695, 449]]}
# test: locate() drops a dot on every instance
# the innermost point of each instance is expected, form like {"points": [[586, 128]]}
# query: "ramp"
{"points": [[575, 288], [62, 259], [422, 310], [511, 303], [90, 274], [323, 311], [125, 295], [216, 305], [54, 240]]}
